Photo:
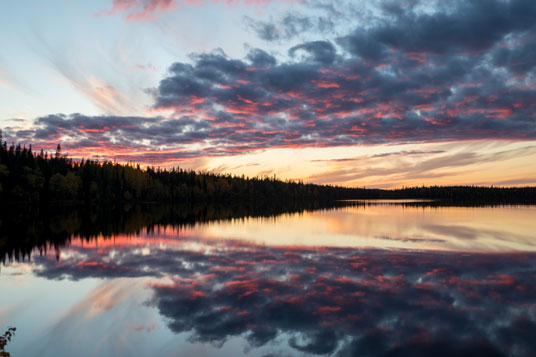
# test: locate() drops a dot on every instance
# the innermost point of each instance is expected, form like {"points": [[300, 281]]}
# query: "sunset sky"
{"points": [[358, 93]]}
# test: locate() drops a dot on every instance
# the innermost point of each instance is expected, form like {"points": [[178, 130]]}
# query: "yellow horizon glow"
{"points": [[483, 162]]}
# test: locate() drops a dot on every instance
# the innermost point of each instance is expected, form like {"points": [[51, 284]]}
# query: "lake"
{"points": [[373, 278]]}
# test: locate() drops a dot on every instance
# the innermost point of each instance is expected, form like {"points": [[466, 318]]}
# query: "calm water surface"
{"points": [[368, 280]]}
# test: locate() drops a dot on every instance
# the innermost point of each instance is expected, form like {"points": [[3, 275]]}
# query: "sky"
{"points": [[355, 93]]}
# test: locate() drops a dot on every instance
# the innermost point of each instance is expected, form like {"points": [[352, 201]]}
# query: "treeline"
{"points": [[39, 179], [464, 195], [29, 177]]}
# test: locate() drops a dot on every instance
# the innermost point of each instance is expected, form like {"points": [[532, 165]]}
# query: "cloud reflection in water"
{"points": [[338, 301]]}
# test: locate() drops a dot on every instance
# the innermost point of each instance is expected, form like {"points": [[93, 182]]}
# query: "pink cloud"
{"points": [[140, 10], [147, 10]]}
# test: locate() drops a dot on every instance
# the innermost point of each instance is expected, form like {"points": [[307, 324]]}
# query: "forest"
{"points": [[36, 179]]}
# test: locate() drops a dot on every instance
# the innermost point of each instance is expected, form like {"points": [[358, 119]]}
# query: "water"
{"points": [[367, 279]]}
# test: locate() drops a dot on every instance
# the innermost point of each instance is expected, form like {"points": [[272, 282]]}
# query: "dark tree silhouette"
{"points": [[37, 179], [4, 339]]}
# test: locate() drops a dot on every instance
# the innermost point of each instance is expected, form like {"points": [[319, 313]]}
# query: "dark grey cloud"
{"points": [[290, 26], [460, 26], [322, 52], [260, 58]]}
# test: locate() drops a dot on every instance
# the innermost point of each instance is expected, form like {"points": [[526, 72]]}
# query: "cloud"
{"points": [[384, 86], [322, 52], [290, 26], [314, 19], [335, 301], [140, 10], [147, 10], [395, 168], [423, 73], [408, 153], [445, 31], [346, 159]]}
